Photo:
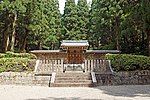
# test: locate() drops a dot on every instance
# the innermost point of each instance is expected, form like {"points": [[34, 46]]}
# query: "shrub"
{"points": [[126, 62], [15, 64], [17, 55]]}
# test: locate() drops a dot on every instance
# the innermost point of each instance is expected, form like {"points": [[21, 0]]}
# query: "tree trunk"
{"points": [[5, 34], [117, 23], [12, 43], [5, 40], [39, 45], [24, 42], [23, 46], [148, 40]]}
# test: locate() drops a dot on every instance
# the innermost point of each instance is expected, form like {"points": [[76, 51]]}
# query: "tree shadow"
{"points": [[126, 90]]}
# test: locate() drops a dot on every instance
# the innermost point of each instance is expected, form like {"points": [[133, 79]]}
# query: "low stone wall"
{"points": [[124, 78], [23, 78], [119, 78], [104, 79], [132, 78]]}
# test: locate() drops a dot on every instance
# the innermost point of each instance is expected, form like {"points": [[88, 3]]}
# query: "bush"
{"points": [[126, 62], [17, 55], [15, 64]]}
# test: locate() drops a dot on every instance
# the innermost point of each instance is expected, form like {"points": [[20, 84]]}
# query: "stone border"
{"points": [[119, 78], [23, 78]]}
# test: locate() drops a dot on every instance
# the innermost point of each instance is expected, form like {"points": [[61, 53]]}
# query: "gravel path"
{"points": [[130, 92]]}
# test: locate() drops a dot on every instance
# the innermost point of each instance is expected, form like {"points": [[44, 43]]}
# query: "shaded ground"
{"points": [[130, 92]]}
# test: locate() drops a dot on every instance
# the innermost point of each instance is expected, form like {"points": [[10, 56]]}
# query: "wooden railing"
{"points": [[97, 65]]}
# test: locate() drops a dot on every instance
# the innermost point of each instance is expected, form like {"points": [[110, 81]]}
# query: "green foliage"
{"points": [[110, 24], [17, 55], [125, 62], [15, 64], [70, 20], [83, 19]]}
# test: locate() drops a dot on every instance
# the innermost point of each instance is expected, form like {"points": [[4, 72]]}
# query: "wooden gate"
{"points": [[74, 56]]}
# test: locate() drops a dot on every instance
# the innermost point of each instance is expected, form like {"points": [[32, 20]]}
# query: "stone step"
{"points": [[71, 85], [73, 81], [73, 78], [42, 78], [73, 75]]}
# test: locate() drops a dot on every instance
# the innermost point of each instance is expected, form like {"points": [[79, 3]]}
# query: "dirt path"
{"points": [[130, 92]]}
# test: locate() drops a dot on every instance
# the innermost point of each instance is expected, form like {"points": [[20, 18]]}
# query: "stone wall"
{"points": [[132, 78], [23, 78], [119, 78], [124, 78]]}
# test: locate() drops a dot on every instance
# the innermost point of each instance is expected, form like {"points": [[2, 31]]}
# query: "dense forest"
{"points": [[107, 24]]}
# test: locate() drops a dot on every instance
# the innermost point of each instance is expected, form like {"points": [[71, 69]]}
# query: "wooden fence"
{"points": [[98, 65], [57, 65], [48, 66]]}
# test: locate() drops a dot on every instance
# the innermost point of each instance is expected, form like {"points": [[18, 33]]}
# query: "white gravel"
{"points": [[130, 92]]}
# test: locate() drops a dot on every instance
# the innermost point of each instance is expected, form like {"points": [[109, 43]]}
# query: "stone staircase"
{"points": [[72, 79]]}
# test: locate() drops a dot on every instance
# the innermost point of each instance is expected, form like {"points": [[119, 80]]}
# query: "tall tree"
{"points": [[83, 18], [54, 23], [10, 9], [69, 20], [92, 32]]}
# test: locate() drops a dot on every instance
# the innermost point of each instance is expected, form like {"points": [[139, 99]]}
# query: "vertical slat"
{"points": [[101, 65], [55, 65], [43, 65], [51, 68], [58, 65], [105, 65], [98, 65], [46, 69], [92, 64], [52, 65], [62, 65], [88, 63], [85, 65], [49, 65]]}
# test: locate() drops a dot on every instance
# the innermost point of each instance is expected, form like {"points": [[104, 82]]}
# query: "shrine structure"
{"points": [[73, 57]]}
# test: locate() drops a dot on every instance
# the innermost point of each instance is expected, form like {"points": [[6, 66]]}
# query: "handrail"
{"points": [[93, 77], [53, 77]]}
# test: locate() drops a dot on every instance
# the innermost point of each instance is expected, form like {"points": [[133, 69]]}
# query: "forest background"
{"points": [[107, 24]]}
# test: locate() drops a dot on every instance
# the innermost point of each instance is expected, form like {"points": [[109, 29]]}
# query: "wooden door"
{"points": [[75, 56]]}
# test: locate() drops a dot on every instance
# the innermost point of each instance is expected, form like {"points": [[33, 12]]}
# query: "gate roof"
{"points": [[74, 43]]}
